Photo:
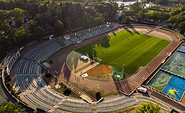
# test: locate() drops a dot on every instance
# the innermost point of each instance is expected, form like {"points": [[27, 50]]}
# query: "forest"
{"points": [[27, 20]]}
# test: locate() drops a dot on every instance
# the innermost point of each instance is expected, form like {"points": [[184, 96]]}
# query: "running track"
{"points": [[126, 86]]}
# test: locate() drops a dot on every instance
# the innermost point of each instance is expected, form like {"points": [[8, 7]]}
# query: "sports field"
{"points": [[125, 47]]}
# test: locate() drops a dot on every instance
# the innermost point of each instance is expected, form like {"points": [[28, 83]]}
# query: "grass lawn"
{"points": [[125, 47]]}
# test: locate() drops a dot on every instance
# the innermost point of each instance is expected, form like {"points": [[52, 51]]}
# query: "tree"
{"points": [[39, 33], [4, 25], [59, 27], [148, 108], [18, 15], [122, 6], [136, 7], [141, 14], [32, 25], [8, 107], [99, 19], [20, 34], [5, 42], [182, 27]]}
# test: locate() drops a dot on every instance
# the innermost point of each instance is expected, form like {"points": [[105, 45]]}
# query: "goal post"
{"points": [[114, 71], [123, 71], [116, 75]]}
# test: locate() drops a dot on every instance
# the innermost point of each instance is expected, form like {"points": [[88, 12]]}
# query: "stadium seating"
{"points": [[29, 80]]}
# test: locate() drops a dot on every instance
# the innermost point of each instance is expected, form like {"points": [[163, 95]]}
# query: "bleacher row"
{"points": [[27, 66], [37, 94], [28, 82], [87, 34]]}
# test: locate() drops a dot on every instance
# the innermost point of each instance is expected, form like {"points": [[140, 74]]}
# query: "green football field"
{"points": [[125, 47]]}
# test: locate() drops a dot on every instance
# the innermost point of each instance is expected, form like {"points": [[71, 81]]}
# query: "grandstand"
{"points": [[33, 90], [28, 83]]}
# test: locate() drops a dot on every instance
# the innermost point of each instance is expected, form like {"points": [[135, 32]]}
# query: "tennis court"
{"points": [[170, 80], [175, 87], [160, 80]]}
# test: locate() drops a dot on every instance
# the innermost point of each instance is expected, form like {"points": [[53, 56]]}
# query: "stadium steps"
{"points": [[125, 104], [74, 109], [36, 103], [76, 104], [41, 100], [47, 99], [19, 84], [19, 65], [112, 99], [56, 96], [116, 103]]}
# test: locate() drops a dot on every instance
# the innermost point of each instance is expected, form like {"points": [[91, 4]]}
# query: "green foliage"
{"points": [[136, 7], [39, 33], [59, 27], [124, 19], [8, 107], [18, 15], [70, 13], [11, 28], [182, 27], [148, 108], [32, 25], [157, 16], [20, 34], [141, 14], [22, 17], [177, 16], [98, 19], [167, 2], [7, 83], [67, 92]]}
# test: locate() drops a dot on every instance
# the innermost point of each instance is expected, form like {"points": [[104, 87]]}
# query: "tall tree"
{"points": [[18, 15], [39, 33], [59, 27], [182, 27], [32, 25]]}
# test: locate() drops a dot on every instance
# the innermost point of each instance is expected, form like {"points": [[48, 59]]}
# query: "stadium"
{"points": [[110, 61]]}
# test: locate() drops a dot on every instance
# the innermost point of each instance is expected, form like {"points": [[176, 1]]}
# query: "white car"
{"points": [[83, 57], [51, 36], [142, 89]]}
